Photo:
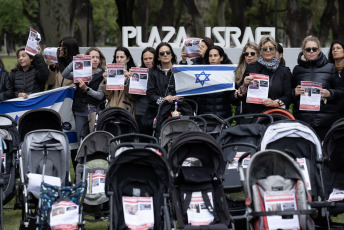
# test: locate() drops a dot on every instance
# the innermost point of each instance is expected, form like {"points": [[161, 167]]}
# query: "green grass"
{"points": [[9, 62]]}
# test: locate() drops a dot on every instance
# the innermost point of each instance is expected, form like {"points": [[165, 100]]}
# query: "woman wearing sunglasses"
{"points": [[161, 85], [279, 94], [314, 66]]}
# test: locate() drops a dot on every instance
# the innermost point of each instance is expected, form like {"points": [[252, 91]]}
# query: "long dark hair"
{"points": [[147, 49], [330, 56], [70, 45], [127, 53], [156, 55], [222, 53]]}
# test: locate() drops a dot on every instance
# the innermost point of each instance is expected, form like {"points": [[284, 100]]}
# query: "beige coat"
{"points": [[55, 79]]}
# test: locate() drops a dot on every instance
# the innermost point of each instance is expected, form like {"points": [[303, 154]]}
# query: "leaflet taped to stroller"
{"points": [[64, 215], [198, 213], [138, 212]]}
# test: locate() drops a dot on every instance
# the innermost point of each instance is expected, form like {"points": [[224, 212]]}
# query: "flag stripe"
{"points": [[179, 68], [206, 89]]}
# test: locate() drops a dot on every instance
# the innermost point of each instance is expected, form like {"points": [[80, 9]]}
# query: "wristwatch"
{"points": [[281, 103], [88, 89]]}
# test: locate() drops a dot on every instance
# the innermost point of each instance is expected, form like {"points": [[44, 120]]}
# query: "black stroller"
{"points": [[137, 184], [276, 192], [9, 143], [197, 167]]}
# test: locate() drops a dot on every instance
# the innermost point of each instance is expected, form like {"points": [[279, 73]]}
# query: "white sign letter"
{"points": [[261, 30], [127, 32], [248, 36]]}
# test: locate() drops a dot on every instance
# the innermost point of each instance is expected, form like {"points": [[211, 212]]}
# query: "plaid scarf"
{"points": [[271, 65]]}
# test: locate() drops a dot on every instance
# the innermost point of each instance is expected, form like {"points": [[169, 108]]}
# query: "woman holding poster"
{"points": [[116, 97], [266, 83], [88, 95], [314, 68]]}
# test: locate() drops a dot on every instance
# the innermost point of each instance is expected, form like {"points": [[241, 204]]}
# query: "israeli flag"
{"points": [[60, 100], [203, 79]]}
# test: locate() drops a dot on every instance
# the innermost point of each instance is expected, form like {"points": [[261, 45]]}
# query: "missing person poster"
{"points": [[115, 78], [82, 68], [64, 215], [191, 47], [258, 89], [33, 42], [310, 99], [138, 212], [50, 53], [198, 213], [138, 81]]}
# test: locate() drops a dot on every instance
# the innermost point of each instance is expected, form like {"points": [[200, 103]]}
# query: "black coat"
{"points": [[279, 86], [31, 81], [340, 105], [6, 87], [321, 71]]}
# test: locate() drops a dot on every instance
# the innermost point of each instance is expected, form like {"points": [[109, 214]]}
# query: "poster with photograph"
{"points": [[336, 195], [310, 99], [50, 53], [258, 89], [304, 169], [64, 215], [33, 42], [116, 78], [234, 163], [82, 68], [96, 183], [138, 81], [198, 213], [138, 212], [277, 201], [191, 45]]}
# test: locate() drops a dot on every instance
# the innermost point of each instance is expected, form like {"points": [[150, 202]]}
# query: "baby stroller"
{"points": [[116, 121], [137, 185], [276, 192], [9, 142], [215, 124], [182, 107], [197, 166], [94, 150]]}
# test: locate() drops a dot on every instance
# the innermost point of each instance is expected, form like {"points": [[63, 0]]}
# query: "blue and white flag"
{"points": [[60, 100], [203, 79]]}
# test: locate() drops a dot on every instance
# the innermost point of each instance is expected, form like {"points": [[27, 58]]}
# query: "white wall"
{"points": [[290, 54]]}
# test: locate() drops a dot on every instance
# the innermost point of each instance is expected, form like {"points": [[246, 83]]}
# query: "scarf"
{"points": [[271, 65]]}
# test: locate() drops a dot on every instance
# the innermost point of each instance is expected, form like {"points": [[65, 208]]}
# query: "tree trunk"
{"points": [[298, 22], [166, 15], [143, 18], [125, 10], [221, 13], [196, 18], [56, 19], [327, 19], [341, 20]]}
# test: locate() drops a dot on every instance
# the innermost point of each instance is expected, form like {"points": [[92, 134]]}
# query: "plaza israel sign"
{"points": [[223, 35]]}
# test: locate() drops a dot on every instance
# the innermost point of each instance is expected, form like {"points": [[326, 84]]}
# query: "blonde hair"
{"points": [[265, 39], [239, 72], [310, 38], [102, 63]]}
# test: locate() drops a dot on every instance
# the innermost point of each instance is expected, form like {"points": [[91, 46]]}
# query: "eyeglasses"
{"points": [[271, 48], [248, 53], [314, 49], [162, 53]]}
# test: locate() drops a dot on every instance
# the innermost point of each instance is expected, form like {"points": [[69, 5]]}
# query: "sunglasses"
{"points": [[271, 48], [248, 53], [162, 53], [308, 50]]}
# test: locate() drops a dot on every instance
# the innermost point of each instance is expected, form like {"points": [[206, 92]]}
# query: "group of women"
{"points": [[31, 74]]}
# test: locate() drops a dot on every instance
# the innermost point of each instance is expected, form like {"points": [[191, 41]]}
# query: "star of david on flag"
{"points": [[203, 79], [200, 76]]}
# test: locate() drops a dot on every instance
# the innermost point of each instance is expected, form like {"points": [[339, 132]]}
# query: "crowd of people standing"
{"points": [[32, 74]]}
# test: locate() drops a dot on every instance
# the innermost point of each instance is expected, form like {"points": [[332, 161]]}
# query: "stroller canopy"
{"points": [[96, 142], [198, 145], [117, 121], [39, 119]]}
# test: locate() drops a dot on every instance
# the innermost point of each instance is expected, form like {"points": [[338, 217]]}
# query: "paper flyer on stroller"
{"points": [[138, 212], [116, 78], [304, 169], [82, 68], [277, 201], [310, 99], [234, 163], [197, 213], [258, 89], [191, 45], [35, 180], [3, 147], [64, 216], [50, 53], [336, 195], [96, 183], [138, 81], [33, 42]]}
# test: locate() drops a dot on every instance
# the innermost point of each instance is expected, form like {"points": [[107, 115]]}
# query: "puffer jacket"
{"points": [[6, 87], [31, 81], [320, 71]]}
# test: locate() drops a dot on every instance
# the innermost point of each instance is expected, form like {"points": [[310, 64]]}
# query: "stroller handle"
{"points": [[195, 118], [228, 121], [131, 106], [136, 136], [158, 149], [9, 118]]}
